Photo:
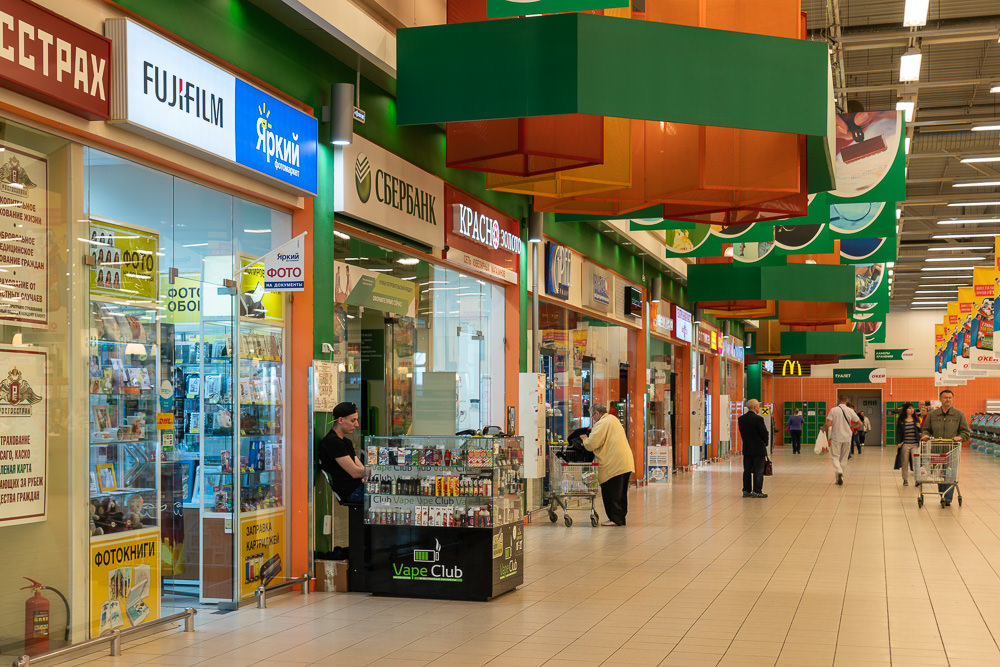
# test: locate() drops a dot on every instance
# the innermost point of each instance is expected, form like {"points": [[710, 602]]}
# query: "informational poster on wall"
{"points": [[23, 445], [659, 458], [262, 541], [124, 580], [125, 264], [24, 187], [256, 302], [181, 300], [370, 289], [324, 385]]}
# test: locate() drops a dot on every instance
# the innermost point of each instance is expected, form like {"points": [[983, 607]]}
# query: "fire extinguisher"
{"points": [[36, 620]]}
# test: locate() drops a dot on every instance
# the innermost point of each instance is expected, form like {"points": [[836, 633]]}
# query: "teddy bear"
{"points": [[133, 513], [94, 528]]}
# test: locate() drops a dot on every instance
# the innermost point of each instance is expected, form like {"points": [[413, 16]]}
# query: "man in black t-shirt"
{"points": [[336, 456]]}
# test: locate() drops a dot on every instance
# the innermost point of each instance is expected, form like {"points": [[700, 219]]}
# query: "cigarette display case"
{"points": [[444, 516]]}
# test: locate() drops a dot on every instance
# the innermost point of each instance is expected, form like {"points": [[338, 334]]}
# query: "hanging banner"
{"points": [[24, 221], [868, 250], [984, 286], [124, 580], [256, 302], [23, 446], [862, 219], [871, 161], [873, 330], [505, 8], [980, 362], [361, 287], [285, 266], [126, 264], [698, 242], [871, 293], [262, 543], [859, 376]]}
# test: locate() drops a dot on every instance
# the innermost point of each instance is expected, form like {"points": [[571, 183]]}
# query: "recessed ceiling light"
{"points": [[995, 87], [954, 259], [341, 235], [959, 247], [909, 65], [915, 13], [976, 184], [969, 221], [974, 203]]}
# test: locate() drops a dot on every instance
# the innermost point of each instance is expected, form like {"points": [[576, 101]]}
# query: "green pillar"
{"points": [[753, 381]]}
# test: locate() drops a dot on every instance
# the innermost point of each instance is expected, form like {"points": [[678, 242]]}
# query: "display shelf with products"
{"points": [[122, 380], [443, 516]]}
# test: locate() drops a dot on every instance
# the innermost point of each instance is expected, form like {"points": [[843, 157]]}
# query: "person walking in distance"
{"points": [[615, 463], [753, 433], [794, 426], [946, 422], [907, 438], [839, 427]]}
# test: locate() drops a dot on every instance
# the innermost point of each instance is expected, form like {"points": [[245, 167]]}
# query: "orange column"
{"points": [[512, 350], [683, 402], [297, 407], [712, 368], [637, 426]]}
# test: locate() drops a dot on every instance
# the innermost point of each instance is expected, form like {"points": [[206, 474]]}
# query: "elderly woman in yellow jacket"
{"points": [[610, 446]]}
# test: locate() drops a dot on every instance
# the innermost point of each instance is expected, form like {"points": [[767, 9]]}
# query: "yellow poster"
{"points": [[182, 300], [262, 543], [124, 580], [126, 265], [255, 303]]}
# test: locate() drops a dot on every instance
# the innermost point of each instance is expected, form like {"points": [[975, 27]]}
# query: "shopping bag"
{"points": [[768, 468], [899, 455], [822, 444]]}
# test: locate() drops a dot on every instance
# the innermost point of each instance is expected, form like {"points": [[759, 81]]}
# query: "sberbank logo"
{"points": [[363, 178]]}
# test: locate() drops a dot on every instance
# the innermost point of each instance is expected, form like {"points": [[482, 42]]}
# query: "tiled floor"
{"points": [[814, 575]]}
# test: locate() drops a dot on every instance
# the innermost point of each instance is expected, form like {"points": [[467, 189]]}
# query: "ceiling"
{"points": [[961, 58]]}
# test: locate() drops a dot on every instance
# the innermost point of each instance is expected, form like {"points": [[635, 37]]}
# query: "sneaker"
{"points": [[746, 494], [755, 494], [840, 479], [905, 483], [609, 523]]}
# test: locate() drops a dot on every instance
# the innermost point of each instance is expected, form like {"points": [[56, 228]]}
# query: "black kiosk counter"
{"points": [[443, 516]]}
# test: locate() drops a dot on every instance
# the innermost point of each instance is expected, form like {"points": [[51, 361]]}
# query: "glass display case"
{"points": [[122, 384], [443, 516], [261, 425]]}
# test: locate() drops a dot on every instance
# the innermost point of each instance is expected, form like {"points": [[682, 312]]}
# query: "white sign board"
{"points": [[24, 187], [285, 267], [324, 385], [383, 189], [23, 431]]}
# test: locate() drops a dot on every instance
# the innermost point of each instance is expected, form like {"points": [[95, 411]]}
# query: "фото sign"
{"points": [[859, 376], [480, 237], [558, 262], [54, 60], [683, 328], [284, 267], [173, 94], [383, 189]]}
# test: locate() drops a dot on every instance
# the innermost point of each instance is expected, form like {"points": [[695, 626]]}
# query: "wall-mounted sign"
{"points": [[24, 445], [768, 366], [124, 579], [172, 94], [894, 355], [632, 301], [558, 261], [126, 262], [383, 189], [732, 347], [859, 376], [596, 288], [791, 367], [662, 322], [54, 60], [481, 237], [24, 223], [360, 287], [285, 266], [683, 328]]}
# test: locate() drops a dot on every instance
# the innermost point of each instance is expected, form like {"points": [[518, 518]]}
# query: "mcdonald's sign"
{"points": [[791, 367]]}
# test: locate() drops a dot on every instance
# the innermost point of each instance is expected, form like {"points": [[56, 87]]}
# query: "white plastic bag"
{"points": [[822, 444]]}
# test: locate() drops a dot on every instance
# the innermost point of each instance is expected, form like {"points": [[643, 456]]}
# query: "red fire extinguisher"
{"points": [[36, 620]]}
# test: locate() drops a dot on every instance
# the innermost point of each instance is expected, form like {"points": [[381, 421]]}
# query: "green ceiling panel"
{"points": [[791, 282], [607, 66], [503, 8], [822, 342]]}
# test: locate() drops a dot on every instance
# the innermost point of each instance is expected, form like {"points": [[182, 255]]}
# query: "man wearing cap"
{"points": [[336, 456]]}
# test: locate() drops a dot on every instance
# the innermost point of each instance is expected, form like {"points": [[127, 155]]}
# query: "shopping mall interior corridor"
{"points": [[815, 574]]}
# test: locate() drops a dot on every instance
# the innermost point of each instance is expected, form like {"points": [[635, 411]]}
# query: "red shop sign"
{"points": [[44, 56], [480, 237]]}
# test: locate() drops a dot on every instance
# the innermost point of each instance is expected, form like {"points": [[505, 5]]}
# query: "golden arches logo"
{"points": [[791, 367]]}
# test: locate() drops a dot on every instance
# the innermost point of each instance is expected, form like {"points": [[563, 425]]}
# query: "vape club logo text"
{"points": [[427, 567], [175, 92], [483, 229]]}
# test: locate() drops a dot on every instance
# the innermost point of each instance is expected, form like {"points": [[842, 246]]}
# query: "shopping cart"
{"points": [[937, 463], [572, 486]]}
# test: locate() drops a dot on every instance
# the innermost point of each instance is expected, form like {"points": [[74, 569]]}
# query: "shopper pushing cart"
{"points": [[572, 481], [943, 432]]}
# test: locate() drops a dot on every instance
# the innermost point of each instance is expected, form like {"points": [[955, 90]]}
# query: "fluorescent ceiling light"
{"points": [[984, 158], [936, 291], [909, 65], [194, 245], [985, 128], [947, 268], [976, 184], [341, 235], [907, 109], [974, 203], [959, 247], [926, 308], [969, 221], [890, 264], [963, 236], [930, 303], [906, 145], [915, 13], [381, 270], [408, 261], [995, 87], [899, 213], [257, 231], [955, 259]]}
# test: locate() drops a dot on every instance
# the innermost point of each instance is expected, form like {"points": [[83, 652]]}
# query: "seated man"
{"points": [[336, 456]]}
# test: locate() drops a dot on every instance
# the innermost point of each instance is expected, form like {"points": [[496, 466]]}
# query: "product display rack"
{"points": [[443, 516], [813, 414], [122, 380]]}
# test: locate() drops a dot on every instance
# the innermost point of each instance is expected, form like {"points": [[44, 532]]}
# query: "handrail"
{"points": [[262, 592], [114, 638]]}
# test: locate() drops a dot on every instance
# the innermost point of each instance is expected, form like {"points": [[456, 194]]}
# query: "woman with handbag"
{"points": [[907, 439]]}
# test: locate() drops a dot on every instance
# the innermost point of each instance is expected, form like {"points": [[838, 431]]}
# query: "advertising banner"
{"points": [[697, 242], [256, 301], [124, 580], [24, 222], [980, 362], [23, 446], [262, 543], [360, 287], [126, 262], [182, 300], [985, 285], [870, 159], [859, 376], [285, 267], [871, 292]]}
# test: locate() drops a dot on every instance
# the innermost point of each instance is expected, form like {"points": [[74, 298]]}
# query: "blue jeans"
{"points": [[357, 496]]}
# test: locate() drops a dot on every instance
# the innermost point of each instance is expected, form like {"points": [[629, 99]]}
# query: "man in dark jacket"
{"points": [[946, 423], [753, 433]]}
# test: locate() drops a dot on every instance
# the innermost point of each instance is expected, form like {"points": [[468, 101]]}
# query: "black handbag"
{"points": [[899, 455], [768, 468]]}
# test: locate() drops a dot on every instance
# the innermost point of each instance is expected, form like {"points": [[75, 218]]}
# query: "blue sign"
{"points": [[558, 260], [275, 138]]}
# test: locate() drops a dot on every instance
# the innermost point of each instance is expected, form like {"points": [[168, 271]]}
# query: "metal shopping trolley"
{"points": [[572, 486], [937, 463]]}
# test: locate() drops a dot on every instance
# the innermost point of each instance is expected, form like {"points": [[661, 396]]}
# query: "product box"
{"points": [[331, 575]]}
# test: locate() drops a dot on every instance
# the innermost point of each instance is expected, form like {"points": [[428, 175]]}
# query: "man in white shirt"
{"points": [[839, 427]]}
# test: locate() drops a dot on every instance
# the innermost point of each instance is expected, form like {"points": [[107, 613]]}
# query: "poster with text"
{"points": [[356, 286], [24, 403], [126, 264], [24, 221], [262, 547], [255, 302], [124, 580]]}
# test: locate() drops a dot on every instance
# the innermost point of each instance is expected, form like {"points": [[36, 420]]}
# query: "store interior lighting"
{"points": [[906, 145], [341, 235], [915, 13], [964, 236], [967, 248], [908, 108], [536, 226], [985, 128], [969, 221], [909, 65], [947, 268], [976, 184], [954, 259], [962, 204], [981, 158], [341, 114]]}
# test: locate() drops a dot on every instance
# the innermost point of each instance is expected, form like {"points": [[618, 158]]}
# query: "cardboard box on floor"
{"points": [[331, 575]]}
